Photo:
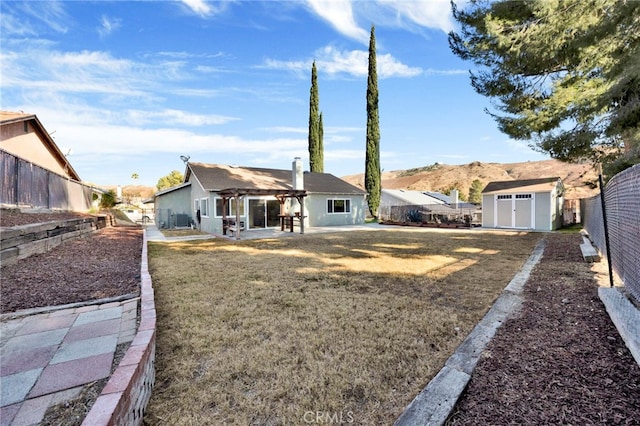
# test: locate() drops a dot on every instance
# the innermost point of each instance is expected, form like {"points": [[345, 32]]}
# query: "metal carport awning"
{"points": [[280, 194]]}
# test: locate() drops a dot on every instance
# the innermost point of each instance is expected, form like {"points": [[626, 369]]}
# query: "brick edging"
{"points": [[126, 394]]}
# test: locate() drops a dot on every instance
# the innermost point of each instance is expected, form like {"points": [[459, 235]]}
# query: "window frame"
{"points": [[230, 207], [204, 207], [331, 205]]}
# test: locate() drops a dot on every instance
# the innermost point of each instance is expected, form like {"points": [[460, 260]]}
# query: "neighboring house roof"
{"points": [[412, 197], [8, 117], [166, 191], [438, 196], [526, 185], [216, 177]]}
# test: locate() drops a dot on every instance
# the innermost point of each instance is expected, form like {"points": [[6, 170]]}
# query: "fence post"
{"points": [[606, 225]]}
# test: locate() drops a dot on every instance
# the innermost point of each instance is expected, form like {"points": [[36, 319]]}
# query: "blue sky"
{"points": [[127, 87]]}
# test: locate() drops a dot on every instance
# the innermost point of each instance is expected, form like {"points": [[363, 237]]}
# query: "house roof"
{"points": [[412, 197], [216, 177], [9, 117], [168, 190], [438, 196], [531, 185]]}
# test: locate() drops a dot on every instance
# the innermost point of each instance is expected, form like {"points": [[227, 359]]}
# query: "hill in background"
{"points": [[579, 179]]}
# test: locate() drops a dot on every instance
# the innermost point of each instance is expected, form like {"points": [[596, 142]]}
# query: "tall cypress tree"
{"points": [[315, 138], [372, 161], [320, 167]]}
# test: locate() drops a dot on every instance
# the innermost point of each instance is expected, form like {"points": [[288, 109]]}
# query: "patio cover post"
{"points": [[301, 200], [237, 198]]}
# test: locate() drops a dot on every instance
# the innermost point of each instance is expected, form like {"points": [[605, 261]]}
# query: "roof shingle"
{"points": [[507, 185], [216, 177]]}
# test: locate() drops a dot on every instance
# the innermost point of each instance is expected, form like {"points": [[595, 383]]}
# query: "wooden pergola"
{"points": [[238, 193]]}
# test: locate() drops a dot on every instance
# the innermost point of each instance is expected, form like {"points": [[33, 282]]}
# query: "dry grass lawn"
{"points": [[181, 232], [316, 327]]}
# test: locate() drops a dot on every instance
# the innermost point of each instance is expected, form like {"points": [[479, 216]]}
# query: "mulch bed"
{"points": [[561, 361], [104, 264], [14, 217]]}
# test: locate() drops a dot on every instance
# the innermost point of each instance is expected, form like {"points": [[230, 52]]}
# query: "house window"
{"points": [[219, 207], [231, 207], [522, 196], [504, 197], [204, 207], [338, 206]]}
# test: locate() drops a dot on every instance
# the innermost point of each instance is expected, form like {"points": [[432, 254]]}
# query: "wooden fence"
{"points": [[26, 185]]}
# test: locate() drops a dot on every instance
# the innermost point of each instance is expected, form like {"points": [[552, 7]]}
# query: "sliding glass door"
{"points": [[263, 213]]}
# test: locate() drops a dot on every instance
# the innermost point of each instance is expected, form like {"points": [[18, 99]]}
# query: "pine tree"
{"points": [[372, 157], [315, 139], [563, 75], [475, 192]]}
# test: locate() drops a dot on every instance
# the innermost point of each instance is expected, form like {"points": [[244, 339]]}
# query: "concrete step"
{"points": [[589, 252]]}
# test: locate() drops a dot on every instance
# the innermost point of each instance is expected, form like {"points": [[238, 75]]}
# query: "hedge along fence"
{"points": [[126, 394], [622, 203], [25, 184]]}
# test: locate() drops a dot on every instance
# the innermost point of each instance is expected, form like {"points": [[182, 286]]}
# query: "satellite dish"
{"points": [[184, 158]]}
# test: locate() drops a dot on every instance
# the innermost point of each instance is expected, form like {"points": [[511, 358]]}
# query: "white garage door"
{"points": [[514, 211]]}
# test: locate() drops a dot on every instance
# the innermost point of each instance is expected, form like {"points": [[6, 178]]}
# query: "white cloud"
{"points": [[11, 25], [50, 13], [108, 25], [176, 117], [339, 13], [126, 133], [426, 13], [332, 61], [410, 15], [37, 69], [205, 9], [32, 18], [200, 7]]}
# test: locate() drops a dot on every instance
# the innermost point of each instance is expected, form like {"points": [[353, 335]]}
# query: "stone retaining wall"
{"points": [[126, 394], [19, 242]]}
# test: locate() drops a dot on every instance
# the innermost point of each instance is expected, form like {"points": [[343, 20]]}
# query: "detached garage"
{"points": [[523, 204]]}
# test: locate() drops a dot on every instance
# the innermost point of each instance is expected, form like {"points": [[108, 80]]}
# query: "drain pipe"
{"points": [[606, 224]]}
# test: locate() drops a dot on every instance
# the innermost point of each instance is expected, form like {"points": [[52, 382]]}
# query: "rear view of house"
{"points": [[535, 204], [213, 195]]}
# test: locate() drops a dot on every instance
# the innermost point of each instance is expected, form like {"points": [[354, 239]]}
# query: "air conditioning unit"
{"points": [[182, 220]]}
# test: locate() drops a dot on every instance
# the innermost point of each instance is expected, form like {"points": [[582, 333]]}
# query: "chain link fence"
{"points": [[25, 184], [622, 203], [431, 214]]}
